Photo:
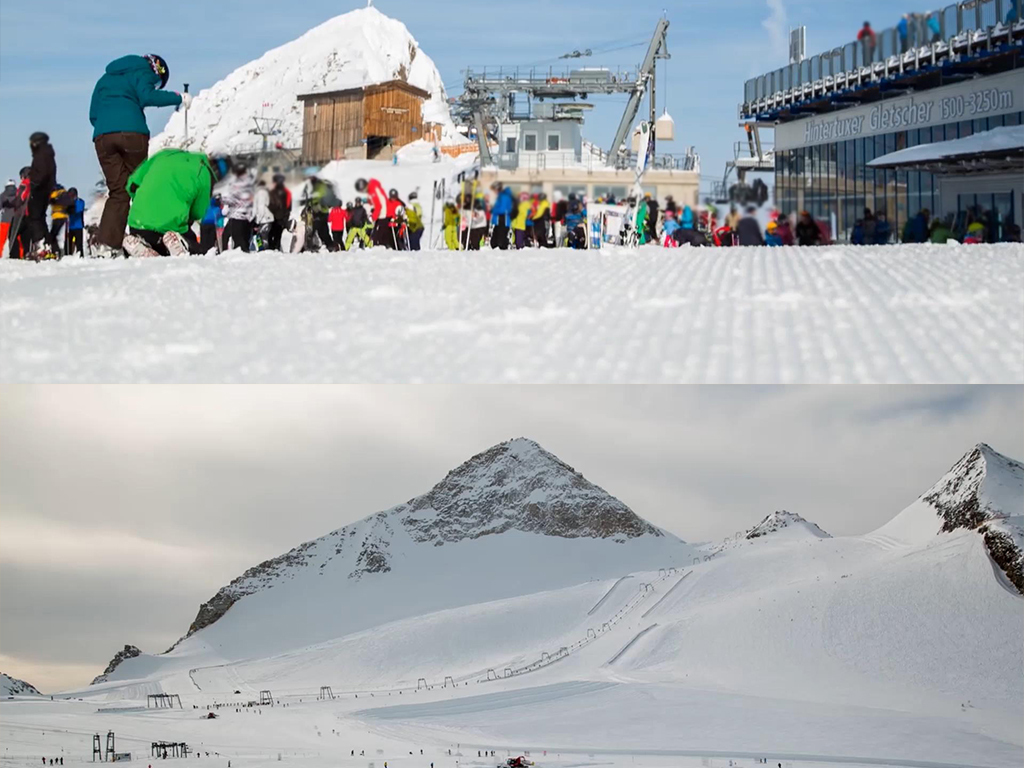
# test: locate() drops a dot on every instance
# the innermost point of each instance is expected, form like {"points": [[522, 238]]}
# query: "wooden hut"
{"points": [[369, 122]]}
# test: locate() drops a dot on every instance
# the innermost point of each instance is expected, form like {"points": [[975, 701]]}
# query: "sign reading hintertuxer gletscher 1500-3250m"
{"points": [[983, 97]]}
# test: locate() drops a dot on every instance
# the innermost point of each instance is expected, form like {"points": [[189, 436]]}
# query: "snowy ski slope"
{"points": [[804, 649], [783, 315]]}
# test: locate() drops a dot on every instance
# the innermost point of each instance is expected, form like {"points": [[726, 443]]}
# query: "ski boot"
{"points": [[137, 247], [175, 244]]}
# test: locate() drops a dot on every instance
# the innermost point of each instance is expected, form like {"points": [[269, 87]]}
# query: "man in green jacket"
{"points": [[120, 133], [171, 190]]}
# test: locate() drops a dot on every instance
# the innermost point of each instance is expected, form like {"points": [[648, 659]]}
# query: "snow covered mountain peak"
{"points": [[514, 502], [780, 520], [981, 486], [982, 492], [357, 48], [12, 686], [518, 485]]}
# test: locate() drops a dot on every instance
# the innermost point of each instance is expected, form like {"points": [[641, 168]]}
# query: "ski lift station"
{"points": [[948, 85], [528, 124]]}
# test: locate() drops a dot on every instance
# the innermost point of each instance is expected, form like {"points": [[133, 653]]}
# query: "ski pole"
{"points": [[186, 117]]}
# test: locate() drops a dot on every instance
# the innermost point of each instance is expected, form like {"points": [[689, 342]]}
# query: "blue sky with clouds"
{"points": [[51, 54]]}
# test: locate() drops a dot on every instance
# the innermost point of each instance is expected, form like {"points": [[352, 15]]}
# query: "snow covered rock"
{"points": [[12, 686], [984, 492], [354, 49], [510, 520], [128, 652], [782, 520]]}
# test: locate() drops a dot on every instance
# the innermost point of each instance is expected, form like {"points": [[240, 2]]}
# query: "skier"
{"points": [[59, 203], [519, 221], [120, 133], [807, 232], [451, 226], [477, 222], [76, 223], [20, 246], [784, 231], [575, 215], [8, 204], [541, 219], [501, 216], [395, 212], [42, 177], [262, 218], [171, 190], [281, 208], [237, 199], [358, 225], [558, 211], [670, 227], [749, 231], [318, 199], [652, 219], [414, 214], [771, 234], [338, 221], [379, 204]]}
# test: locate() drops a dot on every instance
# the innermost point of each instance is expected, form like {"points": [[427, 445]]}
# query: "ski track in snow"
{"points": [[786, 315]]}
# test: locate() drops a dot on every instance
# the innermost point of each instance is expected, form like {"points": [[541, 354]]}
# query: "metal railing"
{"points": [[954, 23], [591, 162], [531, 76]]}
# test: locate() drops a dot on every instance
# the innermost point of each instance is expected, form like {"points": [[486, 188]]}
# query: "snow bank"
{"points": [[358, 48]]}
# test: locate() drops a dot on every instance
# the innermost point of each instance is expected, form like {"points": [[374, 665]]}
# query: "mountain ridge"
{"points": [[514, 486]]}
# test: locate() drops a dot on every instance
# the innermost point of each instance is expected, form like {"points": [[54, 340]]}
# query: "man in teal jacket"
{"points": [[171, 191], [120, 133]]}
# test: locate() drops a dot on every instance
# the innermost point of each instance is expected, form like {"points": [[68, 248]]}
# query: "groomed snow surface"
{"points": [[807, 652], [843, 314]]}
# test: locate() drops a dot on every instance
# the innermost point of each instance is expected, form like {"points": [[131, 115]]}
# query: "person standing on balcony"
{"points": [[903, 30], [866, 37]]}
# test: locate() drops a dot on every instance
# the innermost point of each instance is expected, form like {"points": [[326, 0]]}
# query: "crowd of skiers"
{"points": [[24, 203]]}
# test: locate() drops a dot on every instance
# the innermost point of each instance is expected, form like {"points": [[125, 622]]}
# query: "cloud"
{"points": [[777, 27]]}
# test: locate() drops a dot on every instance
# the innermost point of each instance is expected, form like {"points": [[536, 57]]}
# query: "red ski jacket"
{"points": [[337, 218], [378, 199], [392, 207]]}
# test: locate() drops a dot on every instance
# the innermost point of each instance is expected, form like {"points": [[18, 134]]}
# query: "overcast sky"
{"points": [[123, 508]]}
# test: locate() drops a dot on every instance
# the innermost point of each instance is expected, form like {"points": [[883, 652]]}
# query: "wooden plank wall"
{"points": [[395, 113], [330, 125], [334, 123]]}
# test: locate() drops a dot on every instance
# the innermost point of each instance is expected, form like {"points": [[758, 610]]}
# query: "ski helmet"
{"points": [[24, 172], [159, 67], [393, 194], [279, 178], [361, 185], [37, 139]]}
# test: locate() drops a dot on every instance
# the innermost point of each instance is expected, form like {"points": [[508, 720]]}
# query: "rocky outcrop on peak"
{"points": [[777, 521], [128, 652], [12, 686]]}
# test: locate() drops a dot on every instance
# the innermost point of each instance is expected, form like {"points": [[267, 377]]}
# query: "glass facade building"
{"points": [[834, 183]]}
